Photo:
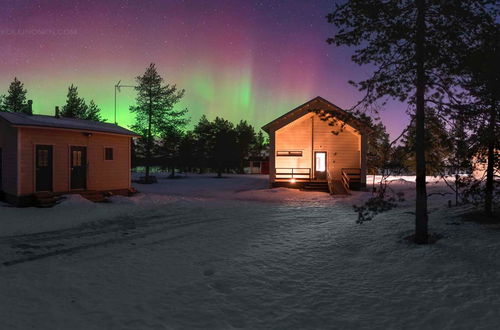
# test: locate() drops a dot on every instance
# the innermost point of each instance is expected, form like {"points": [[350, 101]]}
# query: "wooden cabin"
{"points": [[318, 146], [46, 154]]}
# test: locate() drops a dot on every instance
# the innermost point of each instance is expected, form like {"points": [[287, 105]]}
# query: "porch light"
{"points": [[292, 180]]}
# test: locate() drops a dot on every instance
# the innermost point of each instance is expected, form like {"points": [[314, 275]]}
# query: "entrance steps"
{"points": [[316, 186], [339, 189], [46, 199], [94, 196]]}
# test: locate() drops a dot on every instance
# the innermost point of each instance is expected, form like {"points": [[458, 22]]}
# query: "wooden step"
{"points": [[45, 199], [94, 196], [338, 188], [316, 186]]}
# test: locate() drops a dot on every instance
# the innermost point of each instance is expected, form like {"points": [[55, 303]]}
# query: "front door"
{"points": [[78, 168], [43, 166], [320, 165]]}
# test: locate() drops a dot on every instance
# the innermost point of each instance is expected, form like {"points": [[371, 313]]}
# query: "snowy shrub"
{"points": [[384, 200], [474, 192]]}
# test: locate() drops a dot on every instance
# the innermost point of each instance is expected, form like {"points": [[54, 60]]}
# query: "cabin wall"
{"points": [[295, 136], [8, 144], [101, 174], [343, 150]]}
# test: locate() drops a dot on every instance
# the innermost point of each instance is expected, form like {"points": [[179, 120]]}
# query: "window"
{"points": [[108, 153], [289, 153], [76, 158], [43, 158]]}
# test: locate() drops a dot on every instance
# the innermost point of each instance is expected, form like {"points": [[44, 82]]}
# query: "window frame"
{"points": [[289, 153], [106, 154]]}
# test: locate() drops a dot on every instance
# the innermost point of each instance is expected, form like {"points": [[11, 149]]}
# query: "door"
{"points": [[320, 165], [43, 168], [78, 168]]}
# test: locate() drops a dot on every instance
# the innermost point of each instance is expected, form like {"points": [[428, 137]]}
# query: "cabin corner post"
{"points": [[364, 147], [272, 156], [18, 162]]}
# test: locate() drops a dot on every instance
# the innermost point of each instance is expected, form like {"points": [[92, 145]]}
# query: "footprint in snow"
{"points": [[221, 287], [208, 272]]}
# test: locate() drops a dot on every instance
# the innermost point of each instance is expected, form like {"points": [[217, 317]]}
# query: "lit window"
{"points": [[108, 153], [289, 153]]}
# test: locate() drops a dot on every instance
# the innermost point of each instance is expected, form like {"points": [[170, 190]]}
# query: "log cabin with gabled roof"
{"points": [[45, 155], [318, 146]]}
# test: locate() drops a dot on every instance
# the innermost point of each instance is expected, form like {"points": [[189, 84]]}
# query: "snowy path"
{"points": [[230, 264]]}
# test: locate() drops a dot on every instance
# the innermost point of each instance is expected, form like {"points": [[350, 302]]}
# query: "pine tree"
{"points": [[187, 151], [15, 101], [438, 144], [75, 106], [154, 111], [482, 80], [415, 46], [261, 144], [170, 147], [203, 133], [378, 144], [460, 159], [225, 147]]}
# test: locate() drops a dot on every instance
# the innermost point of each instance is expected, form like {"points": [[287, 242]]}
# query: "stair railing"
{"points": [[293, 173], [329, 179], [345, 181]]}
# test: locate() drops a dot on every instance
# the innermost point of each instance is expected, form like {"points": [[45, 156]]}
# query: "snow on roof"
{"points": [[21, 119]]}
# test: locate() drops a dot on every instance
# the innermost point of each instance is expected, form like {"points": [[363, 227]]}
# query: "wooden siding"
{"points": [[295, 136], [343, 150], [101, 174], [8, 144]]}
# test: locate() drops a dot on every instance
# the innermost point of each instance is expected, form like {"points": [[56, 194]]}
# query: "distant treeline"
{"points": [[211, 146]]}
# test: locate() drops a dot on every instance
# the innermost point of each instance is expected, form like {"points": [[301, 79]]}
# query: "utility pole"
{"points": [[117, 88]]}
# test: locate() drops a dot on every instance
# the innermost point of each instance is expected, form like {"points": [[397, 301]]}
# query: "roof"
{"points": [[314, 104], [21, 119]]}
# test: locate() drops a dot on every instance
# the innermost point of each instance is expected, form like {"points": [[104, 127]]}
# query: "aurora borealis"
{"points": [[238, 59]]}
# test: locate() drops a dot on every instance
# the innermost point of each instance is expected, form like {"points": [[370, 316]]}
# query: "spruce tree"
{"points": [[2, 105], [75, 106], [93, 112], [15, 101]]}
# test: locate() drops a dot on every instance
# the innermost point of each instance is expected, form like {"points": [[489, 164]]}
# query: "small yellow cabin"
{"points": [[309, 151]]}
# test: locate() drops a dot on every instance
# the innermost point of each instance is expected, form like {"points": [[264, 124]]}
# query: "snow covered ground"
{"points": [[205, 253]]}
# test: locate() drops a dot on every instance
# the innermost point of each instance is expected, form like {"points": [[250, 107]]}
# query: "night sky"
{"points": [[239, 59]]}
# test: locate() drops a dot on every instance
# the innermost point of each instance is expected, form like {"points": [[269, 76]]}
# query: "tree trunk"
{"points": [[173, 171], [488, 200], [148, 142], [421, 217]]}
